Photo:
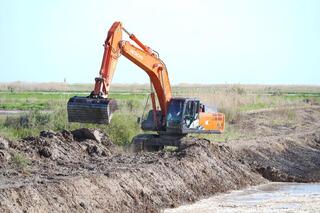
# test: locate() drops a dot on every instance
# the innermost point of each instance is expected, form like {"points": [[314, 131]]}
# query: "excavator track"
{"points": [[154, 142]]}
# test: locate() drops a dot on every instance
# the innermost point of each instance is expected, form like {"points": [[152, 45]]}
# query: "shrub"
{"points": [[232, 114], [133, 105], [238, 90], [30, 120], [20, 161], [122, 128]]}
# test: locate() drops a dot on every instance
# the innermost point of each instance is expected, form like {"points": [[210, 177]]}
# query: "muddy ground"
{"points": [[82, 171]]}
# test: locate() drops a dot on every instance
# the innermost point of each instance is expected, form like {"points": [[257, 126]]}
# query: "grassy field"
{"points": [[49, 100], [45, 105], [47, 111]]}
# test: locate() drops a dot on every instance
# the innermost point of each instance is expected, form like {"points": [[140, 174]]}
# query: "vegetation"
{"points": [[47, 110], [49, 100], [123, 128], [54, 117], [20, 161]]}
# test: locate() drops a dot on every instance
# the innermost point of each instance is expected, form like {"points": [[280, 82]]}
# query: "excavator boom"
{"points": [[97, 107]]}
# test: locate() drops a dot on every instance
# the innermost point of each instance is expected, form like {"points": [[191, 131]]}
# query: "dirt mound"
{"points": [[82, 171], [137, 182], [53, 154], [4, 155], [65, 145]]}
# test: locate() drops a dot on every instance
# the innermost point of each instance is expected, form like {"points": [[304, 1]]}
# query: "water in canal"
{"points": [[272, 197]]}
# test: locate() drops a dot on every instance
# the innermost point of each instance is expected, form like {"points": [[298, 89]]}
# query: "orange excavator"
{"points": [[176, 117]]}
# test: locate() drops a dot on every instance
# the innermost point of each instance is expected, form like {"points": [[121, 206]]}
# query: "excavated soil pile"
{"points": [[82, 171]]}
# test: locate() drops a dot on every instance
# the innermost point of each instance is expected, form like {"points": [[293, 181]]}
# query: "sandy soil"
{"points": [[82, 171]]}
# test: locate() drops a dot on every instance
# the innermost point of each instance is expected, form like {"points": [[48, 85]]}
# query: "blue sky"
{"points": [[229, 41]]}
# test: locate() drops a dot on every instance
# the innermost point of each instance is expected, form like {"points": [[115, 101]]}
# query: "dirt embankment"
{"points": [[284, 144], [82, 171]]}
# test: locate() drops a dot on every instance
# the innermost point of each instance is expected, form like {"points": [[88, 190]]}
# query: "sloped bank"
{"points": [[294, 158], [285, 145], [80, 173], [131, 182]]}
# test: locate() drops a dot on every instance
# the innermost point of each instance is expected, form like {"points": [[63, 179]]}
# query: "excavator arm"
{"points": [[80, 110], [155, 69], [109, 61]]}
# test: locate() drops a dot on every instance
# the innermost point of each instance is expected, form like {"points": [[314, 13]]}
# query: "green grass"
{"points": [[232, 101], [284, 99], [20, 161], [121, 130], [25, 106], [230, 133], [49, 100]]}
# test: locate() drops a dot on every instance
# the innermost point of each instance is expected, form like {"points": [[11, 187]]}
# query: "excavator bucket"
{"points": [[91, 110]]}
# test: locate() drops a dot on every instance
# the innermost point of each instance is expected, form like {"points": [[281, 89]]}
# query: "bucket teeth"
{"points": [[90, 110]]}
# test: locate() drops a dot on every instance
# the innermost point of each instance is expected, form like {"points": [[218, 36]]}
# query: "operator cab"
{"points": [[183, 115]]}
